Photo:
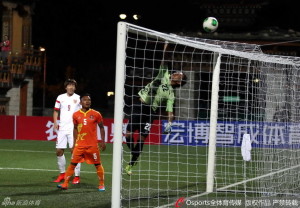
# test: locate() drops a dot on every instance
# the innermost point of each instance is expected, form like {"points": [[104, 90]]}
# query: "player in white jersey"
{"points": [[66, 104]]}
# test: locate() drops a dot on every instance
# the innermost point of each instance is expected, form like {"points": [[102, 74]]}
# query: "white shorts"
{"points": [[64, 138]]}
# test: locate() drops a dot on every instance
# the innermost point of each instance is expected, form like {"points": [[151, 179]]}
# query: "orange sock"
{"points": [[100, 173], [69, 173]]}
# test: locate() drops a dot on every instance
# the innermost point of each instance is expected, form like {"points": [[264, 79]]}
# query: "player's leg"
{"points": [[77, 157], [92, 156], [146, 119], [100, 173], [145, 126], [138, 149], [129, 140], [76, 179], [68, 175], [133, 125], [61, 145], [135, 155]]}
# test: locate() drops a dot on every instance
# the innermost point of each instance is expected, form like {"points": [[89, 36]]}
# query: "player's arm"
{"points": [[162, 69], [168, 127], [56, 112], [169, 109], [164, 52], [170, 117], [55, 116], [102, 133], [75, 135]]}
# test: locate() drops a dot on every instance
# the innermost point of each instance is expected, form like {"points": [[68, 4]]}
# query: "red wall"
{"points": [[7, 127]]}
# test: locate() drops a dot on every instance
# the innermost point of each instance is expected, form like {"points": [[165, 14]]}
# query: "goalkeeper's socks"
{"points": [[133, 161], [136, 152], [130, 143], [138, 147]]}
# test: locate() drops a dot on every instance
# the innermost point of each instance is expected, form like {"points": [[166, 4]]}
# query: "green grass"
{"points": [[163, 175], [27, 169]]}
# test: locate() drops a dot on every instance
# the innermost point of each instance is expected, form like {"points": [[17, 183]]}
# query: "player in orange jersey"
{"points": [[85, 140]]}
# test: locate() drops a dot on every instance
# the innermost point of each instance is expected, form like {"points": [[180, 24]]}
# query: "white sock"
{"points": [[77, 169], [61, 162]]}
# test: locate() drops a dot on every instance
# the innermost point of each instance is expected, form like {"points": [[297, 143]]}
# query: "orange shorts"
{"points": [[89, 154]]}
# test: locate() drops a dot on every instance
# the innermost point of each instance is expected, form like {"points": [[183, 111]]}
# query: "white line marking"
{"points": [[235, 184], [37, 151], [12, 150], [259, 177], [46, 170]]}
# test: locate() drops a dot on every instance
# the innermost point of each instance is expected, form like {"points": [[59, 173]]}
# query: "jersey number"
{"points": [[147, 127], [69, 107], [84, 121]]}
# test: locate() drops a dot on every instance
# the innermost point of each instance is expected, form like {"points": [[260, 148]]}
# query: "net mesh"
{"points": [[258, 99]]}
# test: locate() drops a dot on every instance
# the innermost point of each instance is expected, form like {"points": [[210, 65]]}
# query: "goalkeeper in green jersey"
{"points": [[157, 93]]}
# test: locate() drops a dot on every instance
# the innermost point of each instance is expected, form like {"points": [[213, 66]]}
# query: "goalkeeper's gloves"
{"points": [[168, 128]]}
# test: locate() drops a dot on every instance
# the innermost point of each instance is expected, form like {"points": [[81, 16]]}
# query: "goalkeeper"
{"points": [[155, 94]]}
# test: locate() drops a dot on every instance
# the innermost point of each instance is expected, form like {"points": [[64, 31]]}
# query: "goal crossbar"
{"points": [[222, 47]]}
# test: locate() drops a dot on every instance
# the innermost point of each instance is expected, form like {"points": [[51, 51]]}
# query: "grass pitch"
{"points": [[27, 169], [163, 175]]}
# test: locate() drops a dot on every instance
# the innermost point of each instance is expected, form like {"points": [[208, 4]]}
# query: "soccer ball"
{"points": [[210, 24]]}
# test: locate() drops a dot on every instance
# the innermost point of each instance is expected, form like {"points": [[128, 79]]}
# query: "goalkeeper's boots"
{"points": [[76, 180], [101, 188], [62, 186], [60, 178], [128, 170]]}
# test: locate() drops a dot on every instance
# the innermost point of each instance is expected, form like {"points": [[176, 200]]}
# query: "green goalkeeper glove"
{"points": [[168, 128]]}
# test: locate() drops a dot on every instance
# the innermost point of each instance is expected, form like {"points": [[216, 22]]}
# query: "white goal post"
{"points": [[236, 132], [118, 115]]}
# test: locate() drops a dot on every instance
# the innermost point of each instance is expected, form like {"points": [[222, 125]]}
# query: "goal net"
{"points": [[236, 133]]}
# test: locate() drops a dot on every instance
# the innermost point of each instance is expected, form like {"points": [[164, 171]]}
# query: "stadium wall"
{"points": [[195, 133], [41, 128]]}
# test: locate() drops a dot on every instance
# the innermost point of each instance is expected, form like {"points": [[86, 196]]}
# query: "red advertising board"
{"points": [[32, 127], [41, 128], [7, 127]]}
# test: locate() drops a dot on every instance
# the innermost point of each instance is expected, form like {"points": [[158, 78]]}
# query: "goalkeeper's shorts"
{"points": [[141, 119]]}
